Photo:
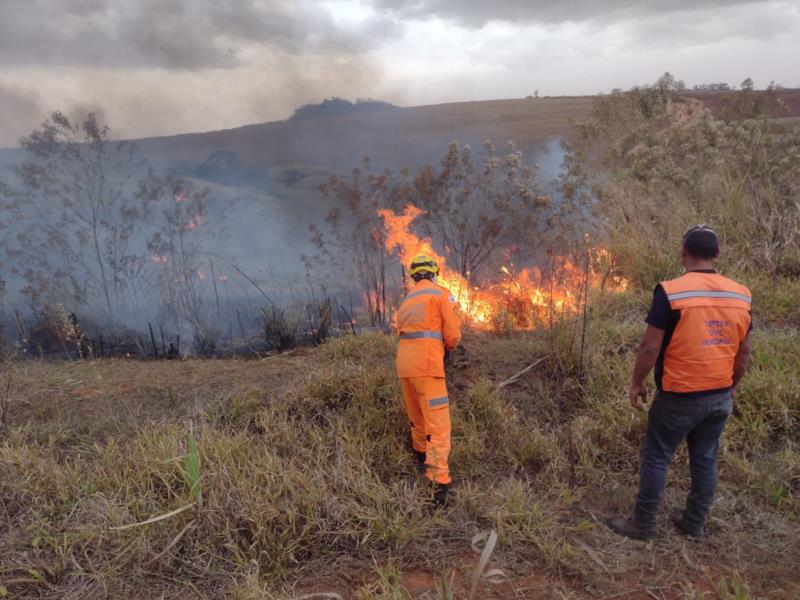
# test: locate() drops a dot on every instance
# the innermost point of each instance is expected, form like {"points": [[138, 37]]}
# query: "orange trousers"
{"points": [[428, 410]]}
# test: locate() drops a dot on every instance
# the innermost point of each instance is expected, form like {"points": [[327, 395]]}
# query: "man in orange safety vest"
{"points": [[698, 340], [428, 328]]}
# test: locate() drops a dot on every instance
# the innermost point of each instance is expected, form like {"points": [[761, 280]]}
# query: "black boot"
{"points": [[440, 495], [697, 534], [630, 529], [419, 458]]}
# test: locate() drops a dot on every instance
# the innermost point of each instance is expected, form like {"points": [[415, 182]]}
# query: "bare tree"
{"points": [[177, 241], [472, 210], [355, 243], [73, 217]]}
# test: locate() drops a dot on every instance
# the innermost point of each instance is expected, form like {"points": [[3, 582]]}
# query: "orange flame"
{"points": [[522, 299], [409, 245], [194, 222]]}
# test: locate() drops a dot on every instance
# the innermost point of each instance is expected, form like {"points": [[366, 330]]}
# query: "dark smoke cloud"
{"points": [[179, 34], [476, 13], [163, 67]]}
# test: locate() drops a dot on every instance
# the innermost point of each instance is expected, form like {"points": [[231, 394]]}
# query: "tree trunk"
{"points": [[103, 279]]}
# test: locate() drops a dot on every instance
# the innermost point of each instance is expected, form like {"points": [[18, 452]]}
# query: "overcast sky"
{"points": [[158, 67]]}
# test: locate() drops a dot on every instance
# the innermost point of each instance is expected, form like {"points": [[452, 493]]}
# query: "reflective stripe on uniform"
{"points": [[429, 292], [438, 401], [709, 294], [420, 335]]}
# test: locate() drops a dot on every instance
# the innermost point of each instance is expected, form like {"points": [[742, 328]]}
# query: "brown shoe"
{"points": [[629, 529], [696, 534]]}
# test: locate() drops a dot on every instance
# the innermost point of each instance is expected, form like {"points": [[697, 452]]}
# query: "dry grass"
{"points": [[118, 397], [307, 483]]}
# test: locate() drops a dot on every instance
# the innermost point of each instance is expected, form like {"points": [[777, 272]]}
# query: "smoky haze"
{"points": [[274, 171], [207, 88], [263, 191]]}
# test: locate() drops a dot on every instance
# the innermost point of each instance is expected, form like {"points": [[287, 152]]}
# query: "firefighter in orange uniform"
{"points": [[428, 328], [698, 340]]}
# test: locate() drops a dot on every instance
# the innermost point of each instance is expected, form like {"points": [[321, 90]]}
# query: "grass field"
{"points": [[302, 485]]}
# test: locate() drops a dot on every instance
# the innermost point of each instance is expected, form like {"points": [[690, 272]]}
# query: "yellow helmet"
{"points": [[423, 263]]}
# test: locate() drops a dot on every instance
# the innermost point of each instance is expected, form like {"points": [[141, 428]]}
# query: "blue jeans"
{"points": [[698, 419]]}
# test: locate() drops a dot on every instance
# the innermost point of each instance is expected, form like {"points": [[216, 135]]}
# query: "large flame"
{"points": [[522, 299]]}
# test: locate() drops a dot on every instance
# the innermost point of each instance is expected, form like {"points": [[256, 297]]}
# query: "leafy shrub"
{"points": [[652, 163]]}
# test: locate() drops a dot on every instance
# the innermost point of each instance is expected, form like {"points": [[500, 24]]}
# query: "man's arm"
{"points": [[451, 325], [740, 362], [645, 361]]}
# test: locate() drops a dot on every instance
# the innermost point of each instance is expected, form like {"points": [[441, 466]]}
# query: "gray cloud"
{"points": [[183, 34], [768, 22], [170, 66], [476, 13]]}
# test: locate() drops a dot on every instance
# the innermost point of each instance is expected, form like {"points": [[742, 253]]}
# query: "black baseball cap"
{"points": [[701, 242]]}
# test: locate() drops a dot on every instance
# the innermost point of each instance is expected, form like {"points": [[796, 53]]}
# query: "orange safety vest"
{"points": [[426, 323], [715, 319]]}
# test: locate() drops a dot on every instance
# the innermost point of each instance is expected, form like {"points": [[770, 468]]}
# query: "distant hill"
{"points": [[339, 106], [335, 135], [392, 136]]}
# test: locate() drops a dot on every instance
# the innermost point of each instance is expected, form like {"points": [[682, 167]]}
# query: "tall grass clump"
{"points": [[655, 163]]}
